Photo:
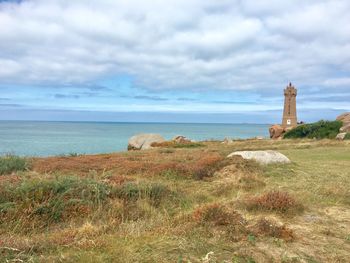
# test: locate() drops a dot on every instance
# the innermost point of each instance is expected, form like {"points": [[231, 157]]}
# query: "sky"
{"points": [[173, 60]]}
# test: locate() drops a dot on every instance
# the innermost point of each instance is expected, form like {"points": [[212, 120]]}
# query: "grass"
{"points": [[270, 228], [319, 130], [40, 202], [13, 163], [155, 192], [173, 144], [181, 205]]}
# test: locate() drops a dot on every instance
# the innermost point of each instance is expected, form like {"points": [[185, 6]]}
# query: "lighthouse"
{"points": [[290, 108]]}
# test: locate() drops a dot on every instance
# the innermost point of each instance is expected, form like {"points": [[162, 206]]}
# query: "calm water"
{"points": [[54, 138]]}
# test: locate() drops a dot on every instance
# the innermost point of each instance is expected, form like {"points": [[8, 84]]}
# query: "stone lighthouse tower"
{"points": [[290, 108]]}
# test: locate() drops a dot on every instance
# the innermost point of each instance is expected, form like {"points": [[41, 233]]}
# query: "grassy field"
{"points": [[179, 205]]}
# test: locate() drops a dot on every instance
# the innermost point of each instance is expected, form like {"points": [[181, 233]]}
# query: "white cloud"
{"points": [[192, 44]]}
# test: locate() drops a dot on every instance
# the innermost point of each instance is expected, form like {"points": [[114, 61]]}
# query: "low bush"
{"points": [[51, 200], [319, 130], [217, 215], [274, 201], [347, 136], [12, 163], [269, 228]]}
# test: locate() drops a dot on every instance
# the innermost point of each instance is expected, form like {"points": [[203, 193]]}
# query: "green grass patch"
{"points": [[188, 145], [319, 130], [12, 163]]}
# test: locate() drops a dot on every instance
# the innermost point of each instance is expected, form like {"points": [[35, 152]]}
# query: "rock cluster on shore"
{"points": [[147, 141], [276, 131]]}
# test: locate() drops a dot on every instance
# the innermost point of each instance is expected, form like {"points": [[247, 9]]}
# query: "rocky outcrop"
{"points": [[345, 119], [341, 136], [276, 131], [144, 141], [181, 139], [262, 157], [345, 128]]}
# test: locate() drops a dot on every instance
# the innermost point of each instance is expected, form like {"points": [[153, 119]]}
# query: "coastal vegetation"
{"points": [[180, 205], [12, 163], [319, 130]]}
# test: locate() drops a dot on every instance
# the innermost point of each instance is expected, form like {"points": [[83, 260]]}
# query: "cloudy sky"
{"points": [[181, 60]]}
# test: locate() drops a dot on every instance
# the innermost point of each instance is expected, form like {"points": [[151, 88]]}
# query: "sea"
{"points": [[39, 138]]}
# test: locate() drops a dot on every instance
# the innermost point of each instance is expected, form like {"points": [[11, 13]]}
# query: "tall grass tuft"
{"points": [[132, 191], [12, 163]]}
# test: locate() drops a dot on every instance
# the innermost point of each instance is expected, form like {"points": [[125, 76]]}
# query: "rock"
{"points": [[259, 138], [181, 139], [345, 118], [144, 141], [276, 131], [341, 136], [262, 157], [345, 128], [227, 140]]}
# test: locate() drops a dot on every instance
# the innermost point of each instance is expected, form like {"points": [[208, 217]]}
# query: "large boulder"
{"points": [[144, 141], [276, 131], [262, 157]]}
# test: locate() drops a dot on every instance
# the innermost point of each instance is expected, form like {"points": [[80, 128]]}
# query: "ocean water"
{"points": [[29, 138]]}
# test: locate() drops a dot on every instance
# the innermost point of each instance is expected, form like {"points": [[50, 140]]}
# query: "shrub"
{"points": [[274, 201], [347, 136], [51, 200], [12, 163], [319, 130], [218, 215], [269, 228]]}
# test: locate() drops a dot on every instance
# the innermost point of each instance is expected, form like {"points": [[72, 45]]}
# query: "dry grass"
{"points": [[270, 228], [157, 210], [196, 163]]}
